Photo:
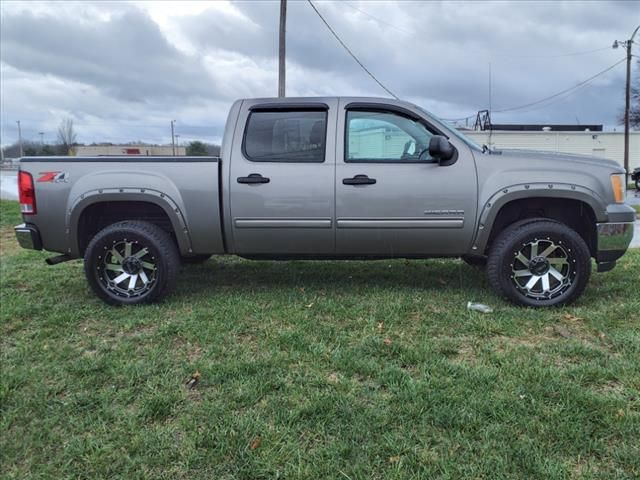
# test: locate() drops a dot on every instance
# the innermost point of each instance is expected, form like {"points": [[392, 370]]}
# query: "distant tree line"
{"points": [[67, 139], [202, 149]]}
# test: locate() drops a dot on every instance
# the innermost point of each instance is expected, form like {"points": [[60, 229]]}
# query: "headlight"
{"points": [[617, 184]]}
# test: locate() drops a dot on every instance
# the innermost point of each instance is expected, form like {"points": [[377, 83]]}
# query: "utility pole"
{"points": [[173, 138], [627, 106], [627, 101], [490, 100], [41, 138], [20, 138], [282, 48]]}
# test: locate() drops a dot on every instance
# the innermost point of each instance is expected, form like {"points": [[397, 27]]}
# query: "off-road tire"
{"points": [[504, 263], [100, 263]]}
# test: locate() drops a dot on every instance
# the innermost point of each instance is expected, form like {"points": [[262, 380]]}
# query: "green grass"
{"points": [[636, 208], [315, 370]]}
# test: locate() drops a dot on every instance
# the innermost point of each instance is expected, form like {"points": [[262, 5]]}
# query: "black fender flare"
{"points": [[168, 205], [499, 199]]}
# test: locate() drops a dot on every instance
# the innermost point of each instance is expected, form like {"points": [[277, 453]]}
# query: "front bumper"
{"points": [[28, 236], [613, 240]]}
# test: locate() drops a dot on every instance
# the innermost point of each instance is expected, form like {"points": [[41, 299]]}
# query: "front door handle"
{"points": [[359, 180], [254, 178]]}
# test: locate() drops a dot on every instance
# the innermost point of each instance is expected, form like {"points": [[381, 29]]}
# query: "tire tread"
{"points": [[503, 246], [162, 241]]}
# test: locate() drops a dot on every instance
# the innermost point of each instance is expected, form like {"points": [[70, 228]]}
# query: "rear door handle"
{"points": [[254, 178], [359, 180]]}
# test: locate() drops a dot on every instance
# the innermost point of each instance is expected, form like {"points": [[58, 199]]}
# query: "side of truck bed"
{"points": [[84, 194]]}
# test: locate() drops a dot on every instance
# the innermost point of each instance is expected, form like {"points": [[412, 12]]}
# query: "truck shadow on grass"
{"points": [[450, 277], [329, 276]]}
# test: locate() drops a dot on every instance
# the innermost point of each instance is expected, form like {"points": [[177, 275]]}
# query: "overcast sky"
{"points": [[122, 71]]}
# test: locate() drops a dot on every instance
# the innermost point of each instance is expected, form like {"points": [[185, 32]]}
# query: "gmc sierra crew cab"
{"points": [[331, 178]]}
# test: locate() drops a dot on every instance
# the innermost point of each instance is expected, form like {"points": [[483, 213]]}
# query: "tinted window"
{"points": [[286, 136], [385, 137]]}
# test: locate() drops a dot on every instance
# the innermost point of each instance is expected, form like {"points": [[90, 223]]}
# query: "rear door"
{"points": [[282, 179], [392, 198]]}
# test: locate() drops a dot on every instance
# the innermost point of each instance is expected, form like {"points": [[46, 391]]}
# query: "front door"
{"points": [[282, 181], [392, 198]]}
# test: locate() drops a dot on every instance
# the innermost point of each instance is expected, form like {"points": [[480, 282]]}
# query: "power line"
{"points": [[554, 98], [350, 52], [507, 55], [578, 85], [459, 119], [559, 99], [571, 54], [379, 20]]}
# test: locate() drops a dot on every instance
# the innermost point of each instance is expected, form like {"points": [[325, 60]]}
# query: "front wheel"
{"points": [[131, 262], [541, 263]]}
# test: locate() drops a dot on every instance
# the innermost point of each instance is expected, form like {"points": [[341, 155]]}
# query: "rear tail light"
{"points": [[27, 193]]}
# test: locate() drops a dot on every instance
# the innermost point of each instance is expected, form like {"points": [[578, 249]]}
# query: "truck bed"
{"points": [[185, 190]]}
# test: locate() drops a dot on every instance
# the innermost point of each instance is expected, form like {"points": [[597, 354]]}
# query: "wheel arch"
{"points": [[123, 204], [575, 206]]}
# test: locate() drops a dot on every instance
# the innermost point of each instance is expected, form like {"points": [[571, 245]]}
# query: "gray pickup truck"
{"points": [[331, 178]]}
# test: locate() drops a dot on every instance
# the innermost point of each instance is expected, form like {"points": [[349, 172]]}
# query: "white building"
{"points": [[599, 144], [129, 150]]}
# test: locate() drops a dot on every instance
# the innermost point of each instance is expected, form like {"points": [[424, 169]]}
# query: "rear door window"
{"points": [[286, 136]]}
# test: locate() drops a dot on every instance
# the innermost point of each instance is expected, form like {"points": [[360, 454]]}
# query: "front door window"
{"points": [[385, 137]]}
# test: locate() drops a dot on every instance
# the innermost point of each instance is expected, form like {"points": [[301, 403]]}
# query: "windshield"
{"points": [[450, 129]]}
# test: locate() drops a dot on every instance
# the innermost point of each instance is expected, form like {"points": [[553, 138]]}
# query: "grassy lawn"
{"points": [[344, 370]]}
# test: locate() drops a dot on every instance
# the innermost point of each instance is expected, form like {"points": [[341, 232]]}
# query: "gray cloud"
{"points": [[123, 75], [127, 56]]}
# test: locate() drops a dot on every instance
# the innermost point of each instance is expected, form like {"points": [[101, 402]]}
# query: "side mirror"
{"points": [[441, 149]]}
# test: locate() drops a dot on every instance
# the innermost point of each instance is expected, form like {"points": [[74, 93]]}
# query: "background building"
{"points": [[132, 150], [599, 144]]}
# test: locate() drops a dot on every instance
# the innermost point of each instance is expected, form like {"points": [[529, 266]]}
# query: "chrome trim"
{"points": [[281, 223], [614, 236], [28, 237], [401, 223]]}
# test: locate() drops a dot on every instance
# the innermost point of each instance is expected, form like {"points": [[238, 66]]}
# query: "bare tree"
{"points": [[634, 111], [66, 135]]}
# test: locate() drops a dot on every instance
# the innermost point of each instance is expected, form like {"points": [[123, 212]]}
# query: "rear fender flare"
{"points": [[158, 198]]}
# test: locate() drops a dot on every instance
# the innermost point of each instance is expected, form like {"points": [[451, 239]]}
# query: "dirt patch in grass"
{"points": [[466, 353], [191, 351], [569, 328], [612, 387], [8, 243]]}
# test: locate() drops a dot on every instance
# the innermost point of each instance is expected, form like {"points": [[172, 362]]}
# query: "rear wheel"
{"points": [[542, 263], [131, 262]]}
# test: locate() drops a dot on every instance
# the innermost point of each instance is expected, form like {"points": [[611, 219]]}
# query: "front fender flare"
{"points": [[168, 205], [502, 197]]}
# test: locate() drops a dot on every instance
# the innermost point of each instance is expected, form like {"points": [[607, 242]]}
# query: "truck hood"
{"points": [[553, 159]]}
